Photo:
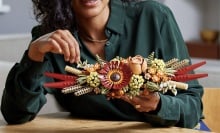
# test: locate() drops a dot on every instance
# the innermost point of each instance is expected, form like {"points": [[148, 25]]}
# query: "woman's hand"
{"points": [[59, 42], [145, 102]]}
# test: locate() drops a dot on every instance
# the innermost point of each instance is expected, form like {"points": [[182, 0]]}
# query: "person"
{"points": [[70, 31]]}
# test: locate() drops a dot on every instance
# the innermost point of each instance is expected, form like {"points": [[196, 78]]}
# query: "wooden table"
{"points": [[64, 123], [212, 108]]}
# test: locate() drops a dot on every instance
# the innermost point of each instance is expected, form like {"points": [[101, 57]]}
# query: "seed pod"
{"points": [[83, 91]]}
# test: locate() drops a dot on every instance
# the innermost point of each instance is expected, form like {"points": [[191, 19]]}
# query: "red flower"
{"points": [[115, 75]]}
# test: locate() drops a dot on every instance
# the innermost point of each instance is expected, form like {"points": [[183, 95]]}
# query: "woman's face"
{"points": [[89, 8]]}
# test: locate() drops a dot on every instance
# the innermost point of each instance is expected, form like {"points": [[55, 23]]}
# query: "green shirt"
{"points": [[133, 29]]}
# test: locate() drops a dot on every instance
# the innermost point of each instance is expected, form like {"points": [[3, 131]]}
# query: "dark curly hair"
{"points": [[56, 14]]}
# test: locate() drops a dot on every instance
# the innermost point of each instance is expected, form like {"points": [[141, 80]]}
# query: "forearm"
{"points": [[183, 110], [23, 95], [16, 111]]}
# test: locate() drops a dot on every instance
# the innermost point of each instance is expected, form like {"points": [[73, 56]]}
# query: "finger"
{"points": [[74, 48], [49, 46], [66, 35], [77, 51], [137, 102], [150, 102], [133, 101], [62, 44], [151, 95], [126, 99], [43, 38], [145, 92], [55, 47], [140, 104]]}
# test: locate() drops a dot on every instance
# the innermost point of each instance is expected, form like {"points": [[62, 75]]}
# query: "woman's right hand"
{"points": [[59, 42]]}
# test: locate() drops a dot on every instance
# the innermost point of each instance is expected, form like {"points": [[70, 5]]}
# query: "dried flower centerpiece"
{"points": [[128, 76]]}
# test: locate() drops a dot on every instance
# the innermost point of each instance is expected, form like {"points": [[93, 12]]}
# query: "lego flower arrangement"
{"points": [[126, 76]]}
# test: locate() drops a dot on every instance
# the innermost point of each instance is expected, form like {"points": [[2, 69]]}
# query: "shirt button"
{"points": [[108, 43], [108, 33]]}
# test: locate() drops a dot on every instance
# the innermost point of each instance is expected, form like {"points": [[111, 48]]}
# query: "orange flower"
{"points": [[92, 68], [137, 64]]}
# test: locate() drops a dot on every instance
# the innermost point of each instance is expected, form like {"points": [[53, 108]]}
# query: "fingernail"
{"points": [[77, 59], [67, 59], [72, 61]]}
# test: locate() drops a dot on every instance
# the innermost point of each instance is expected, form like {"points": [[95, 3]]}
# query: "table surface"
{"points": [[64, 123]]}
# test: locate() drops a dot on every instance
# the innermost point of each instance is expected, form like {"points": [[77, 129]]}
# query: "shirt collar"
{"points": [[117, 14]]}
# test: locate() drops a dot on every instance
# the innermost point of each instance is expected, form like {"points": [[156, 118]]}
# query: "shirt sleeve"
{"points": [[184, 109], [24, 94]]}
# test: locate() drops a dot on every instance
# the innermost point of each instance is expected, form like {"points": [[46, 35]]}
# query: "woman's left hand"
{"points": [[145, 102]]}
